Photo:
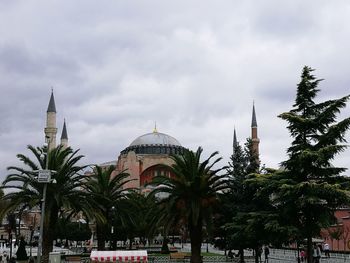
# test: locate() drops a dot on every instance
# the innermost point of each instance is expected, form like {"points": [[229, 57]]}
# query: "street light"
{"points": [[113, 243], [44, 176], [31, 228]]}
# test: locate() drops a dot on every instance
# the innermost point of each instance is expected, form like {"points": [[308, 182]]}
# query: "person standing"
{"points": [[266, 252], [316, 255], [326, 250], [260, 250], [4, 257]]}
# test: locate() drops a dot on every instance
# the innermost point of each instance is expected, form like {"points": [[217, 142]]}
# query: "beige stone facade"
{"points": [[146, 157]]}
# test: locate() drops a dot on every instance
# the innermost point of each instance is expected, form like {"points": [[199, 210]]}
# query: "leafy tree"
{"points": [[190, 195], [106, 192], [64, 194], [2, 204], [144, 212], [312, 187], [234, 199], [238, 203], [251, 219], [252, 158], [78, 231]]}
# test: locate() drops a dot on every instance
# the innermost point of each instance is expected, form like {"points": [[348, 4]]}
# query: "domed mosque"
{"points": [[148, 156]]}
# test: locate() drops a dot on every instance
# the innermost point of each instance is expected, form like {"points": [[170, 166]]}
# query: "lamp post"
{"points": [[31, 228], [44, 176], [113, 243], [10, 237]]}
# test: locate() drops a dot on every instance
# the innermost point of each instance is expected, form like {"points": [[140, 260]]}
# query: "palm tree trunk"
{"points": [[257, 252], [49, 232], [100, 237], [309, 249], [241, 255], [47, 245], [47, 238], [196, 241]]}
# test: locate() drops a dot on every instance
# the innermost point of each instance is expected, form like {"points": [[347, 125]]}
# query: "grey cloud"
{"points": [[194, 67]]}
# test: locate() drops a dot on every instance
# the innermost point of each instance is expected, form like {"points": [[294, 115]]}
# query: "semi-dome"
{"points": [[154, 143], [155, 138]]}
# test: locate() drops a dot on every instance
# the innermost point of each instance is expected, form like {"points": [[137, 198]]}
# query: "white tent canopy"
{"points": [[119, 256]]}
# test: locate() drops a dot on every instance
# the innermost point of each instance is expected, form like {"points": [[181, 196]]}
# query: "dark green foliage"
{"points": [[252, 162], [74, 231], [165, 248], [246, 212], [188, 197], [26, 192], [310, 187], [78, 231], [145, 213], [21, 253], [106, 193], [11, 219]]}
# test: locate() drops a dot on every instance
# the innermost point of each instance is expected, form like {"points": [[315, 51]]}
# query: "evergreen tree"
{"points": [[238, 162], [238, 204], [311, 186], [234, 201], [252, 158]]}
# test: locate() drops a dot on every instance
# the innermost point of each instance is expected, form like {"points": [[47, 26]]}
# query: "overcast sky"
{"points": [[194, 67]]}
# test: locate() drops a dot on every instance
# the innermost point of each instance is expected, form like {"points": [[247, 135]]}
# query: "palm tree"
{"points": [[145, 212], [2, 204], [189, 196], [107, 193], [64, 194]]}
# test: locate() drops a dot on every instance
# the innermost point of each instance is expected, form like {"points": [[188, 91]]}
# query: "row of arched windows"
{"points": [[154, 149]]}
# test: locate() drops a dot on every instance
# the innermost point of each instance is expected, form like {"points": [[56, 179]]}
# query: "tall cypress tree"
{"points": [[312, 187], [238, 204]]}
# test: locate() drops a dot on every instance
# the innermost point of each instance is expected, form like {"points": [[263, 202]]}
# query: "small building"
{"points": [[338, 235]]}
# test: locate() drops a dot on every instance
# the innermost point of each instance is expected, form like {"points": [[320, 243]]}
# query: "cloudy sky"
{"points": [[194, 67]]}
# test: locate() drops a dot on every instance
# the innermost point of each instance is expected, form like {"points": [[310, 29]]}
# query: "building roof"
{"points": [[64, 135], [52, 106], [254, 123], [108, 163], [155, 138]]}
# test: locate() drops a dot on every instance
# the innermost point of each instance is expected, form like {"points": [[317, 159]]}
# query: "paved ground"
{"points": [[276, 255]]}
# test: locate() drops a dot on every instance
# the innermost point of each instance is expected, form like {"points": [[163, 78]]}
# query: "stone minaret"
{"points": [[64, 136], [51, 129], [255, 139]]}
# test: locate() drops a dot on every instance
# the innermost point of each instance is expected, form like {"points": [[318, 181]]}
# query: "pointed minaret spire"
{"points": [[255, 139], [64, 135], [51, 129], [52, 106], [254, 123]]}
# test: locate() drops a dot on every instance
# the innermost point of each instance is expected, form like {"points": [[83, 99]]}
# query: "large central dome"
{"points": [[155, 138], [154, 143]]}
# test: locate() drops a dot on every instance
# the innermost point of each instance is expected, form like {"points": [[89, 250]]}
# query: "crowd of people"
{"points": [[262, 250], [4, 257], [316, 252]]}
